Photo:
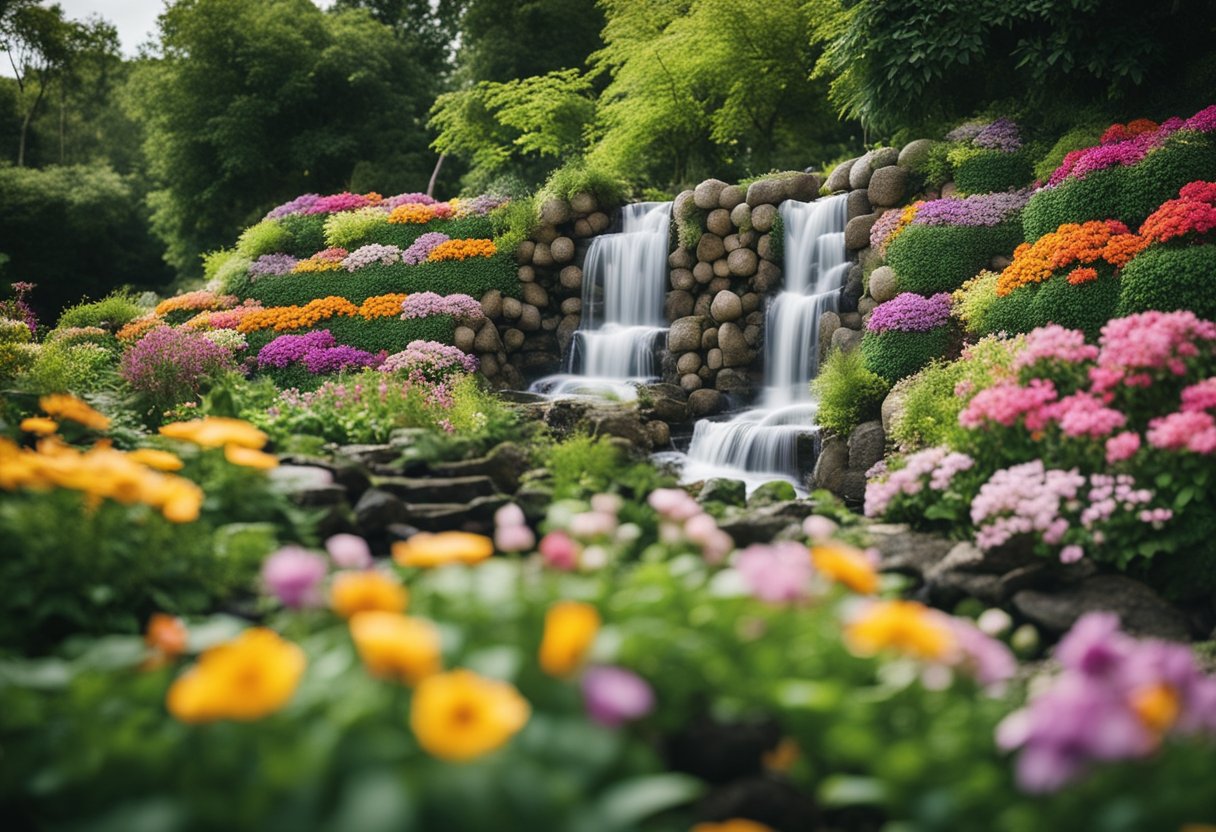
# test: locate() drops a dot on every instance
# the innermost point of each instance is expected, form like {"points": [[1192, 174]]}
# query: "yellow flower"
{"points": [[396, 646], [245, 679], [158, 460], [39, 425], [570, 629], [354, 592], [216, 431], [460, 716], [905, 626], [69, 407], [846, 565], [429, 550], [1157, 706], [732, 825], [250, 458], [181, 501]]}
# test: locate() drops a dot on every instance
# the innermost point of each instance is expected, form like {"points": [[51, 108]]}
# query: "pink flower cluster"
{"points": [[1008, 403], [422, 247], [1135, 347], [1114, 698], [435, 361], [776, 572], [1054, 343], [682, 519], [586, 540], [934, 467], [426, 304], [372, 254], [1129, 150], [407, 199], [1193, 431]]}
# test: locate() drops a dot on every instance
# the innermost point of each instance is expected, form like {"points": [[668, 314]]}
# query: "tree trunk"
{"points": [[25, 126], [430, 187]]}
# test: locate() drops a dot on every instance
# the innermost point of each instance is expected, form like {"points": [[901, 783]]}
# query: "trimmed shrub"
{"points": [[978, 171], [1078, 138], [346, 229], [474, 276], [849, 394], [388, 334], [307, 234], [1086, 307], [577, 176], [1166, 279], [894, 354], [939, 258], [1129, 194], [972, 300], [112, 311], [267, 237], [403, 235], [60, 367]]}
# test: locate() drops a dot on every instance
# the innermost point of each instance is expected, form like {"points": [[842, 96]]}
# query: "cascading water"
{"points": [[762, 444], [624, 284]]}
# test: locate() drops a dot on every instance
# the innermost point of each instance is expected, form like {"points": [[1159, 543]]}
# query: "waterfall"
{"points": [[624, 285], [762, 444]]}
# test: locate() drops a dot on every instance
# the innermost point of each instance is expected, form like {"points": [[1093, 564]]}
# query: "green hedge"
{"points": [[1086, 307], [848, 393], [988, 171], [1129, 194], [403, 235], [474, 276], [938, 258], [894, 355], [307, 234], [391, 334], [1167, 278]]}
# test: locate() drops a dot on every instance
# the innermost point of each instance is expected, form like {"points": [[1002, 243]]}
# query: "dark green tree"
{"points": [[38, 42], [502, 40]]}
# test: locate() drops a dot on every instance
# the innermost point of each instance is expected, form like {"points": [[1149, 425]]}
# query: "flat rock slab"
{"points": [[1141, 611], [415, 490]]}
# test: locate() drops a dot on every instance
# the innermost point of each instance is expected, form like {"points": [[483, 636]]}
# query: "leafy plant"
{"points": [[848, 392]]}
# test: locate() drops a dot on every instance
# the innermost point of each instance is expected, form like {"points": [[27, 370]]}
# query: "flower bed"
{"points": [[906, 333]]}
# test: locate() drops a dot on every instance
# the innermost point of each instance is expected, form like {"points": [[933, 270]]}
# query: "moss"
{"points": [[848, 393], [894, 355], [1168, 278], [939, 258], [777, 239], [579, 176], [513, 222]]}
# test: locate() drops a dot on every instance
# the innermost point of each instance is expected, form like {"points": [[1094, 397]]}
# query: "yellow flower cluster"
{"points": [[139, 327], [100, 473], [846, 565], [462, 250], [245, 679], [65, 406], [904, 626], [241, 441], [382, 306], [460, 716], [396, 646], [412, 212], [313, 265], [427, 550], [570, 630], [352, 593]]}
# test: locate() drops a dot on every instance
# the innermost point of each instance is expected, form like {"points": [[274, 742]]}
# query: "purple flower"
{"points": [[340, 357], [1001, 135], [288, 349], [299, 205], [480, 205], [910, 312], [976, 210], [293, 575], [988, 660], [614, 695], [272, 265], [337, 203], [422, 247], [170, 364], [425, 304], [349, 551], [776, 572], [371, 255], [406, 199], [966, 131]]}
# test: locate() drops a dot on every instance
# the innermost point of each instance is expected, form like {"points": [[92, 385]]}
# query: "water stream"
{"points": [[624, 285], [762, 444]]}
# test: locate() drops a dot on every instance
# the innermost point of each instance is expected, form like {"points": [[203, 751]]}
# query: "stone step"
{"points": [[427, 490]]}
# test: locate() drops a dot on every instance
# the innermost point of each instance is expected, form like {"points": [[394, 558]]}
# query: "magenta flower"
{"points": [[1122, 446], [294, 575], [559, 551], [614, 695], [910, 312]]}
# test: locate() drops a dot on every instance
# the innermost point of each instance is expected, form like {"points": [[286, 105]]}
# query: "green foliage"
{"points": [[935, 168], [1086, 307], [776, 239], [474, 276], [900, 65], [583, 176], [848, 393], [1077, 138], [267, 237], [894, 355], [973, 299], [1129, 194], [939, 258], [307, 234], [76, 368], [583, 465], [349, 229], [75, 231], [690, 228], [112, 311], [981, 171], [1167, 278], [232, 272], [250, 104], [522, 124], [513, 223]]}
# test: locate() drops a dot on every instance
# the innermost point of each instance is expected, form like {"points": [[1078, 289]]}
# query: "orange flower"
{"points": [[1071, 245], [411, 212], [201, 299], [166, 634], [39, 425], [245, 679], [354, 592], [846, 565], [460, 716], [250, 458], [430, 550], [570, 630], [904, 626], [66, 406], [382, 306], [1157, 706], [216, 431], [139, 327], [155, 459], [732, 825], [396, 646], [280, 318], [462, 250]]}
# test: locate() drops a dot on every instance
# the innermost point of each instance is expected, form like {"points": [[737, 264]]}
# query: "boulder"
{"points": [[857, 231], [726, 306], [723, 490], [858, 204], [534, 294], [829, 322], [571, 278], [679, 304], [767, 191], [774, 491], [721, 274], [491, 304], [846, 340], [1141, 611], [705, 403], [838, 180], [376, 510], [882, 157], [751, 302], [860, 173], [914, 153], [682, 207], [523, 254], [733, 381], [866, 445], [665, 402], [742, 262], [893, 405], [884, 284], [566, 329], [851, 292], [804, 187], [689, 362], [463, 338], [513, 339], [735, 352], [685, 334], [752, 333], [768, 521], [599, 222], [832, 464], [555, 211], [690, 382], [719, 222], [572, 306], [767, 277], [529, 318], [682, 279], [710, 248], [487, 340], [763, 216], [542, 255], [741, 216], [413, 490], [865, 306], [681, 258], [660, 434], [706, 194], [701, 307], [902, 550], [709, 338], [732, 196], [526, 274], [731, 241], [562, 249], [583, 203], [888, 186], [703, 272]]}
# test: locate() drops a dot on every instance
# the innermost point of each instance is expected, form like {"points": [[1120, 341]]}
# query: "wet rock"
{"points": [[884, 285], [376, 510], [723, 490], [858, 204], [1141, 611], [763, 216], [703, 403], [857, 231], [767, 191], [776, 491], [685, 334], [888, 186], [502, 465], [742, 262], [719, 222]]}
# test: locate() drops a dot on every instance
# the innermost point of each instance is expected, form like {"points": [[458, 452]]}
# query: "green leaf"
{"points": [[632, 801], [842, 790]]}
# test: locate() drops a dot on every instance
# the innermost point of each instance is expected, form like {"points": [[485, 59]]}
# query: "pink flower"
{"points": [[559, 551], [1007, 403], [1071, 554], [1200, 396], [514, 538], [294, 575], [776, 572], [1122, 446], [588, 525], [614, 695], [1054, 343], [818, 528], [1184, 431], [349, 551], [673, 503], [509, 515]]}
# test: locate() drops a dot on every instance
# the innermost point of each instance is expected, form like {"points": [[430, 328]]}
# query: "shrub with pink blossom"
{"points": [[372, 254], [425, 304], [171, 365], [430, 360]]}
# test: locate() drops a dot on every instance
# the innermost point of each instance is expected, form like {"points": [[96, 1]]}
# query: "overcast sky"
{"points": [[135, 19]]}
